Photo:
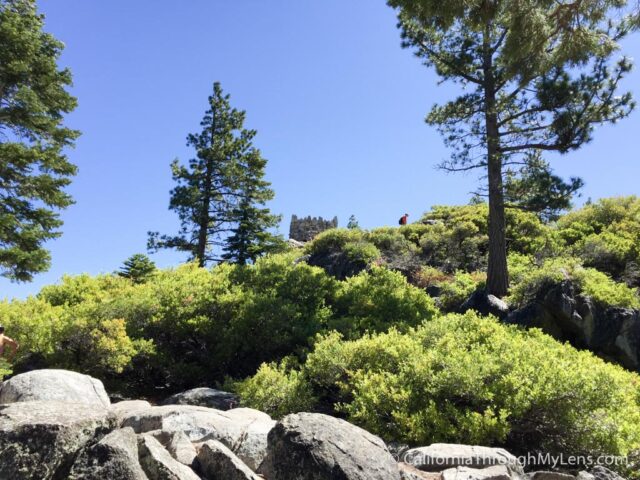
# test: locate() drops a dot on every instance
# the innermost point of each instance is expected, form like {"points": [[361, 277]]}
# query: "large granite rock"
{"points": [[312, 446], [485, 304], [217, 461], [603, 473], [497, 472], [441, 456], [158, 464], [113, 457], [177, 444], [544, 475], [243, 430], [40, 440], [204, 397], [127, 408], [560, 311], [54, 385]]}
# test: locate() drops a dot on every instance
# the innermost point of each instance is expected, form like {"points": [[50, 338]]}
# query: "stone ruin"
{"points": [[305, 229]]}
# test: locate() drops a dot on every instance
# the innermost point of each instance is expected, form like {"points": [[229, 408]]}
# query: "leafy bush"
{"points": [[191, 326], [605, 291], [276, 389], [467, 379], [457, 237], [376, 300], [606, 236]]}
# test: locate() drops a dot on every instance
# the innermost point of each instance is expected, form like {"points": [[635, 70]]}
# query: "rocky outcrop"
{"points": [[485, 304], [442, 456], [127, 408], [204, 397], [54, 440], [311, 446], [217, 461], [243, 430], [158, 464], [115, 456], [40, 440], [497, 472], [177, 444], [560, 311], [54, 385], [307, 228]]}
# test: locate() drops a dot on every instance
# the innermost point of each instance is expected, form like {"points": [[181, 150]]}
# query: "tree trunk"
{"points": [[203, 223], [497, 273]]}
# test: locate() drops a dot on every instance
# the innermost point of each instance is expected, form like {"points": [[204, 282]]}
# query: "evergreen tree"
{"points": [[353, 223], [250, 236], [138, 268], [33, 168], [219, 194], [537, 76], [534, 188]]}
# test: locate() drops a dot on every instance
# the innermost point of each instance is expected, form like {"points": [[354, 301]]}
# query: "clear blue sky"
{"points": [[338, 105]]}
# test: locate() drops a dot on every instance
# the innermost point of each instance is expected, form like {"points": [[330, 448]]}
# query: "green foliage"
{"points": [[276, 389], [222, 190], [376, 300], [190, 325], [457, 237], [591, 282], [606, 236], [530, 80], [467, 379], [334, 239], [34, 169], [353, 223], [137, 268], [458, 288], [534, 188]]}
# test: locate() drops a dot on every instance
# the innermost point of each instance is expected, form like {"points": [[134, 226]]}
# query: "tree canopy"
{"points": [[220, 194], [34, 169], [536, 76]]}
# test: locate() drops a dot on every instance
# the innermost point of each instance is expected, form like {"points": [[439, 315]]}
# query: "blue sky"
{"points": [[338, 105]]}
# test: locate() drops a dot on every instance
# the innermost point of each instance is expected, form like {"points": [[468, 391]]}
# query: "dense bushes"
{"points": [[528, 279], [606, 236], [462, 378], [189, 326]]}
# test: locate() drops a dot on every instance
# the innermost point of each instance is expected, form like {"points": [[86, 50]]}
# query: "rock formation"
{"points": [[305, 229], [53, 439]]}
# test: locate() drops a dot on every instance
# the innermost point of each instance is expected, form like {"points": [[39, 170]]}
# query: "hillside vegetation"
{"points": [[356, 324]]}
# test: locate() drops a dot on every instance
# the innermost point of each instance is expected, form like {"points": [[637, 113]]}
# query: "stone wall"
{"points": [[305, 229]]}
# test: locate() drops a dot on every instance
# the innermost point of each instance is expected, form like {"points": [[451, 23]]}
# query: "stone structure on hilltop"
{"points": [[305, 229]]}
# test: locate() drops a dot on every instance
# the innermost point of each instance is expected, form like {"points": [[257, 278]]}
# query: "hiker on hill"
{"points": [[7, 342], [403, 219]]}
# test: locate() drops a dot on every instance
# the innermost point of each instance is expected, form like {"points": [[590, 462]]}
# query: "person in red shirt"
{"points": [[403, 219]]}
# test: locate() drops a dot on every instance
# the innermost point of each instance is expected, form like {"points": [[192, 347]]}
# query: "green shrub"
{"points": [[276, 389], [528, 282], [376, 300], [457, 237], [606, 236], [458, 288], [467, 379], [334, 240]]}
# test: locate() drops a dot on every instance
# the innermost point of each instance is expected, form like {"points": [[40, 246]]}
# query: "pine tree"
{"points": [[353, 223], [536, 76], [220, 190], [534, 188], [138, 268], [33, 168], [250, 235]]}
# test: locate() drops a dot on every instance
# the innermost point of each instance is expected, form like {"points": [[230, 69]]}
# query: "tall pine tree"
{"points": [[252, 221], [536, 75], [219, 193], [34, 170]]}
